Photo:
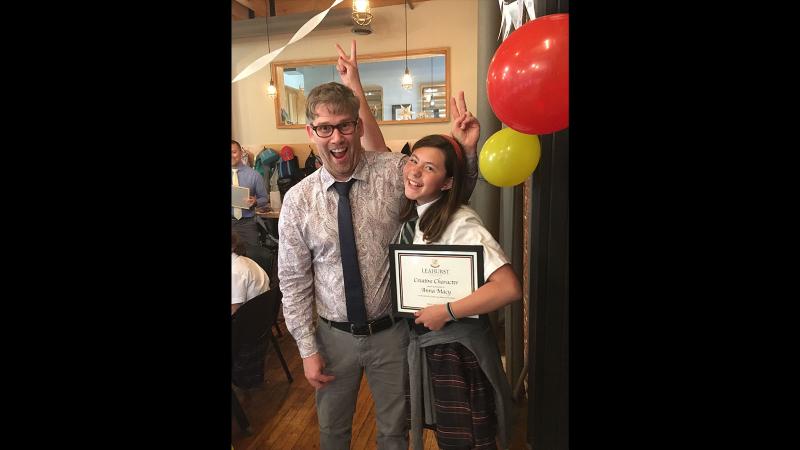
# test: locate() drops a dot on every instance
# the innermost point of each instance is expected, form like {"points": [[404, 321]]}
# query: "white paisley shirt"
{"points": [[309, 260]]}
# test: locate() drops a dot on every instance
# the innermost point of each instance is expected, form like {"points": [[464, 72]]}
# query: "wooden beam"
{"points": [[258, 6], [239, 11], [284, 7], [240, 8]]}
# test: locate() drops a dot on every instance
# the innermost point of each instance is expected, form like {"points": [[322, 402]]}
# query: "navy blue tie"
{"points": [[353, 289]]}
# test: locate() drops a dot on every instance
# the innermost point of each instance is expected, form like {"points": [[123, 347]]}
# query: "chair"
{"points": [[238, 412], [251, 334], [250, 330], [267, 258]]}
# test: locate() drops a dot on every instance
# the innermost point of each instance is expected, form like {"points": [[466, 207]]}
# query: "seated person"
{"points": [[248, 279], [243, 216]]}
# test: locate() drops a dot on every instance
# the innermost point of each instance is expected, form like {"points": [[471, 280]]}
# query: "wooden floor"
{"points": [[283, 415]]}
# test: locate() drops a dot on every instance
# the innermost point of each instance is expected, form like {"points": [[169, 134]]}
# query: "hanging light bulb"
{"points": [[271, 91], [361, 12], [407, 82]]}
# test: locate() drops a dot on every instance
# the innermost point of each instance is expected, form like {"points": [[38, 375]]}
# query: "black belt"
{"points": [[372, 327]]}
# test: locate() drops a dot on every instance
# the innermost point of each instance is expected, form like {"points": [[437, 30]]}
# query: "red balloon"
{"points": [[528, 79]]}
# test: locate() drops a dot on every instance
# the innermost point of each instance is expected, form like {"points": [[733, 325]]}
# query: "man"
{"points": [[313, 264], [243, 219]]}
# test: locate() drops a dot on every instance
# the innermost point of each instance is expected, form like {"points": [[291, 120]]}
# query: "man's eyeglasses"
{"points": [[324, 131]]}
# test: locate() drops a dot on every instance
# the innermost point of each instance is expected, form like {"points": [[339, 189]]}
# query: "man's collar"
{"points": [[361, 173]]}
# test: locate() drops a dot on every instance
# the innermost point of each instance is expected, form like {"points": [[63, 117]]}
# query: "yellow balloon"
{"points": [[509, 157]]}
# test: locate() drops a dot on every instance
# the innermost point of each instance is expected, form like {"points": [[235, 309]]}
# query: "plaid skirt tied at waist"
{"points": [[457, 382]]}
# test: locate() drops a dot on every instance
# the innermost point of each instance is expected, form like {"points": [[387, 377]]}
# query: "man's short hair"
{"points": [[339, 99]]}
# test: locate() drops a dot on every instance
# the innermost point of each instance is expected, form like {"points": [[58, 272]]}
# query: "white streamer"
{"points": [[528, 4], [307, 27], [512, 15]]}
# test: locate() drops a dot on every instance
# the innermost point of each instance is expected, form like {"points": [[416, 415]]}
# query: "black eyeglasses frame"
{"points": [[337, 126]]}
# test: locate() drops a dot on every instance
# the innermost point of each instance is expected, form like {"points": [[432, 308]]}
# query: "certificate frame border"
{"points": [[394, 248]]}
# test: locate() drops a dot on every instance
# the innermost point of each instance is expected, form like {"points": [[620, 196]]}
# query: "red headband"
{"points": [[456, 146]]}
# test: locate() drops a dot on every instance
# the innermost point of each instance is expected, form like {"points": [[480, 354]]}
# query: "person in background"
{"points": [[243, 219], [354, 332], [248, 279], [461, 379]]}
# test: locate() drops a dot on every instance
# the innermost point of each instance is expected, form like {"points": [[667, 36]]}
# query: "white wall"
{"points": [[435, 23]]}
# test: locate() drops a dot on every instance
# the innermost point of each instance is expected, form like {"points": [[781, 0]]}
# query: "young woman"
{"points": [[454, 365]]}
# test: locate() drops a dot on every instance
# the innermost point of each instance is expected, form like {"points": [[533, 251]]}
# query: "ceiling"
{"points": [[250, 9], [249, 17]]}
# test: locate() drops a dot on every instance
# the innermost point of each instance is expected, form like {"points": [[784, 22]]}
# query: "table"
{"points": [[269, 214]]}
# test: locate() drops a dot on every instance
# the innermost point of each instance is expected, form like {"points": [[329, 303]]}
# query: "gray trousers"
{"points": [[383, 357], [247, 229]]}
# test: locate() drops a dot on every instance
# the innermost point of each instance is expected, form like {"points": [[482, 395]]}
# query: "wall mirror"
{"points": [[428, 100]]}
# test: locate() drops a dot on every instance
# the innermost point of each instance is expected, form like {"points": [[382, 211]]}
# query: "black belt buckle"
{"points": [[355, 332]]}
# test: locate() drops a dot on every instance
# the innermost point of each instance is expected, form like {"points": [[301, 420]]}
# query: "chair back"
{"points": [[251, 334], [252, 321]]}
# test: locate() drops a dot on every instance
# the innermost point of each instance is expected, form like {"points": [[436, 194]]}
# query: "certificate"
{"points": [[239, 196], [424, 275]]}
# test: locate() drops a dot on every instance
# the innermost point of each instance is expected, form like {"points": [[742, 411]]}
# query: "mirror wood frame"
{"points": [[374, 57]]}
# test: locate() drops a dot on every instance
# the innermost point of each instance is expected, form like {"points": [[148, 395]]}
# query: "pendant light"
{"points": [[271, 91], [407, 82], [361, 12]]}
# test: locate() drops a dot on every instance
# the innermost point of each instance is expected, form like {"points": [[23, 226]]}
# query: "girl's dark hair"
{"points": [[437, 216], [237, 246]]}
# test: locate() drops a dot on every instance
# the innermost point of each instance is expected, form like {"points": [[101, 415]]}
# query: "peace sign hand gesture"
{"points": [[466, 128], [347, 66]]}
